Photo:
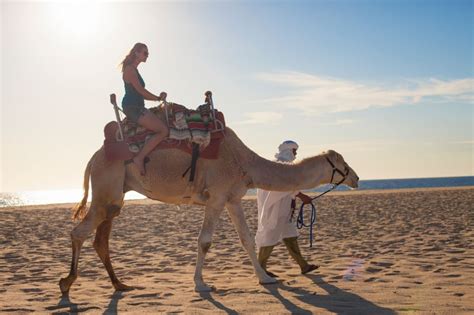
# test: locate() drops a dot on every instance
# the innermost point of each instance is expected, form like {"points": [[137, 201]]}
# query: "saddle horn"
{"points": [[113, 100], [209, 101]]}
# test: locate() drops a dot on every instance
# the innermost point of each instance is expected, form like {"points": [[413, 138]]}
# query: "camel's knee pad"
{"points": [[205, 246]]}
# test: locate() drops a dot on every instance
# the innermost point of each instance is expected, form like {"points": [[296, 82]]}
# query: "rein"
{"points": [[300, 218]]}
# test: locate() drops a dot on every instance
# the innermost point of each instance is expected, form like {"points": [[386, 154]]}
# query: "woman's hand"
{"points": [[163, 96]]}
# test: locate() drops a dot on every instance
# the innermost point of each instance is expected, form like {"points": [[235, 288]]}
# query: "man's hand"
{"points": [[304, 198]]}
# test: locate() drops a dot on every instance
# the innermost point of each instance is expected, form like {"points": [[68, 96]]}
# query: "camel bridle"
{"points": [[336, 170]]}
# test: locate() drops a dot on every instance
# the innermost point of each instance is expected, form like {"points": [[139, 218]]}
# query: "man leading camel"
{"points": [[274, 214]]}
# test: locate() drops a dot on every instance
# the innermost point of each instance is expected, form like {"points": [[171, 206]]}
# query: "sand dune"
{"points": [[381, 252]]}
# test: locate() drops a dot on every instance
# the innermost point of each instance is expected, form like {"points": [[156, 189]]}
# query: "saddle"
{"points": [[200, 129]]}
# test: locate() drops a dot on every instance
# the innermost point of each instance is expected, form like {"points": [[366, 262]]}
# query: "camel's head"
{"points": [[342, 173]]}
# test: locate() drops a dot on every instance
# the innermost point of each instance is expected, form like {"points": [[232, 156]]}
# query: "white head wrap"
{"points": [[285, 153]]}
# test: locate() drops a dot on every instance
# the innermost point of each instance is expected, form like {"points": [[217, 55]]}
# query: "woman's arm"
{"points": [[130, 76]]}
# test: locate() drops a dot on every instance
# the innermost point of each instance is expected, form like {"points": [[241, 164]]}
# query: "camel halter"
{"points": [[300, 219]]}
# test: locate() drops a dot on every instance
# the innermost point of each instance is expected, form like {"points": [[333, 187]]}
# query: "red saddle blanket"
{"points": [[135, 137]]}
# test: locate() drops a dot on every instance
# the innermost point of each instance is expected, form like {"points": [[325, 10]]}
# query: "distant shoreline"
{"points": [[146, 201]]}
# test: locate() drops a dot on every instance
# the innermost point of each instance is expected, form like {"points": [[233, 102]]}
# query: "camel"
{"points": [[218, 183]]}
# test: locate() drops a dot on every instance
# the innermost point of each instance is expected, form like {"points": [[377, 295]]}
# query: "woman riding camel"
{"points": [[133, 102]]}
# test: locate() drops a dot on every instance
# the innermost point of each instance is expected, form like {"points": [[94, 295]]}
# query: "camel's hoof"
{"points": [[122, 287], [268, 280], [204, 288], [64, 285]]}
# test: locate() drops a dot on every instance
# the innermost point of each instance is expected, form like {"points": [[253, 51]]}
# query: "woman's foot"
{"points": [[140, 163]]}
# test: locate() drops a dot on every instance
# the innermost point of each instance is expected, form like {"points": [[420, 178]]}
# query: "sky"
{"points": [[388, 84]]}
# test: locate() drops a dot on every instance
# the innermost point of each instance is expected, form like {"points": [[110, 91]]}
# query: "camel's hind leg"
{"points": [[237, 216], [211, 216], [107, 180], [101, 245], [78, 235]]}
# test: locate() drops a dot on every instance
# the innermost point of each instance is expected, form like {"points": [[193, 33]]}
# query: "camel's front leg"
{"points": [[211, 216], [237, 215], [101, 245]]}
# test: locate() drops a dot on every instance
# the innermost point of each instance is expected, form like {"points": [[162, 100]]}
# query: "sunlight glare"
{"points": [[77, 18]]}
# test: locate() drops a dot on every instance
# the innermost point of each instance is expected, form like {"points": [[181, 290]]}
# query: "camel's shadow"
{"points": [[65, 302], [113, 305], [74, 308], [208, 296], [337, 301]]}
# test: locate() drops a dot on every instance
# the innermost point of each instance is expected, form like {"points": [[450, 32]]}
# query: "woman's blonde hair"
{"points": [[131, 56]]}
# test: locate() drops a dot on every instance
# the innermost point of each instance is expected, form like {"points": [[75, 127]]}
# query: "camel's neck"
{"points": [[268, 175], [306, 174]]}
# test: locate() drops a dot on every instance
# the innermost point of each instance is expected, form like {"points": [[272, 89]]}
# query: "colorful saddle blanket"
{"points": [[185, 127]]}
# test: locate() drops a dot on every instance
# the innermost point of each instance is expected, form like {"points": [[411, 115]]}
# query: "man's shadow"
{"points": [[336, 301]]}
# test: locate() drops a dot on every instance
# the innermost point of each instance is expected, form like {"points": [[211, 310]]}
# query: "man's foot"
{"points": [[140, 165], [271, 274], [308, 268]]}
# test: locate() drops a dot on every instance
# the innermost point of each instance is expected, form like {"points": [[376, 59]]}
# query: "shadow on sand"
{"points": [[112, 307], [336, 301], [207, 296], [64, 303]]}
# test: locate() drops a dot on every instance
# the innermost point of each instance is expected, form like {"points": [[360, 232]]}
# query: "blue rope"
{"points": [[300, 221]]}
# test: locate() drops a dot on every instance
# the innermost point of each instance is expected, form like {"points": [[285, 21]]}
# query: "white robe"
{"points": [[274, 214]]}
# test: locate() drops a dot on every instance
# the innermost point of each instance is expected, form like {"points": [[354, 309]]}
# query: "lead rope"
{"points": [[300, 218], [300, 221]]}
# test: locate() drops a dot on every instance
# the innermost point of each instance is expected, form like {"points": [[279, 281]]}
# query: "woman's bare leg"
{"points": [[151, 122]]}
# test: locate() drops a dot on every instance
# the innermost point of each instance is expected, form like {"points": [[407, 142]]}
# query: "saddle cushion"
{"points": [[185, 127]]}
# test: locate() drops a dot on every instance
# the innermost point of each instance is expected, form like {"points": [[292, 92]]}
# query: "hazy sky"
{"points": [[388, 84]]}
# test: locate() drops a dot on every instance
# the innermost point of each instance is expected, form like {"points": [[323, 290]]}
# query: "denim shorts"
{"points": [[133, 112]]}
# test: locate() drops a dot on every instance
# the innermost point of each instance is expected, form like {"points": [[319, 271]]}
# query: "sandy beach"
{"points": [[380, 252]]}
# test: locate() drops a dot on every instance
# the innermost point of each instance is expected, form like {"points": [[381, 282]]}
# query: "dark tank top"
{"points": [[132, 97]]}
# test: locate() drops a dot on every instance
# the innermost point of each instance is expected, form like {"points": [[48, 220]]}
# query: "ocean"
{"points": [[75, 195]]}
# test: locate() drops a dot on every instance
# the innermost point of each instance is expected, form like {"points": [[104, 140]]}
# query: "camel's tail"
{"points": [[80, 210]]}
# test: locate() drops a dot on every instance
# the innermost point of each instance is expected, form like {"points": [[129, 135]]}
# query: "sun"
{"points": [[77, 18]]}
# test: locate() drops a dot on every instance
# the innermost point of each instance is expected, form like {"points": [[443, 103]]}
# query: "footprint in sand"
{"points": [[31, 290], [147, 304], [371, 279], [148, 295], [17, 310], [39, 299], [383, 264], [373, 269]]}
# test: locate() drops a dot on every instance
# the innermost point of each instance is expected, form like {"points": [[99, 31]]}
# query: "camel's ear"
{"points": [[332, 155]]}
